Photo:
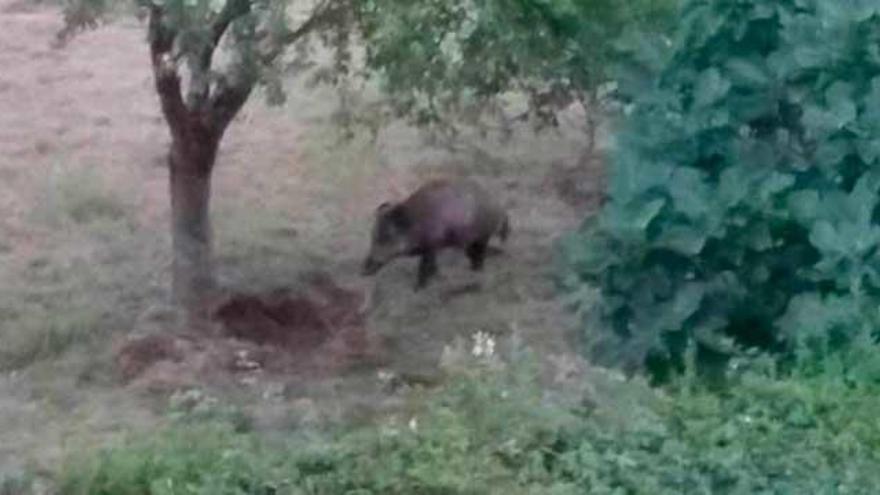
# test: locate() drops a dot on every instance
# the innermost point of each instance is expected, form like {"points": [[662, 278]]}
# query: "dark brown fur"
{"points": [[441, 214]]}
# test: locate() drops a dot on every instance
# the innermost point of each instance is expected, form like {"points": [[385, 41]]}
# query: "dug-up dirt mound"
{"points": [[306, 334]]}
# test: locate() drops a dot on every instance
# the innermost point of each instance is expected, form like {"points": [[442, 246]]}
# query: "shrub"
{"points": [[743, 194], [208, 458], [761, 436], [489, 430], [15, 483], [469, 438]]}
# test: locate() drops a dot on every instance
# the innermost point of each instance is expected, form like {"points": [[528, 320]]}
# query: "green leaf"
{"points": [[708, 333], [669, 316], [810, 317], [748, 106], [804, 206], [630, 221], [687, 301], [808, 57], [735, 183], [690, 194], [839, 111], [840, 101], [762, 11], [831, 152], [759, 237], [682, 239], [869, 150], [774, 184], [825, 238], [747, 73], [217, 5], [710, 88]]}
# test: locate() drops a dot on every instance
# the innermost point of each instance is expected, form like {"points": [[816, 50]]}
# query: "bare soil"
{"points": [[300, 333]]}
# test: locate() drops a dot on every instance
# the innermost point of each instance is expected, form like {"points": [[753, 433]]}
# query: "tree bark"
{"points": [[196, 130], [197, 125], [190, 166]]}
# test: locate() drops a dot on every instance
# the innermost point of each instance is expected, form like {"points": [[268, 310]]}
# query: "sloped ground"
{"points": [[290, 202]]}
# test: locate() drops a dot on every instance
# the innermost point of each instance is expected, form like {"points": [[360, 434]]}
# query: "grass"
{"points": [[73, 197], [93, 269], [91, 276], [256, 248], [491, 429], [446, 446], [15, 483]]}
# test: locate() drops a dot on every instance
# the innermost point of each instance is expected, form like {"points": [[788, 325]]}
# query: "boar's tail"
{"points": [[504, 230]]}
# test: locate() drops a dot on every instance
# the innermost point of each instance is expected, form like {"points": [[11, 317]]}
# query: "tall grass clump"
{"points": [[15, 483], [78, 196], [743, 198]]}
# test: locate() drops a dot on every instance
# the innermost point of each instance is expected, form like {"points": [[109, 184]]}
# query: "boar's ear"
{"points": [[398, 216], [383, 207]]}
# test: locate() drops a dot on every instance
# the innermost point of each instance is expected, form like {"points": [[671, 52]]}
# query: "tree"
{"points": [[199, 99], [743, 206], [441, 58]]}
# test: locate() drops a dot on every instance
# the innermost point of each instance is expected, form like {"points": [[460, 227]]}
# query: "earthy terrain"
{"points": [[88, 344]]}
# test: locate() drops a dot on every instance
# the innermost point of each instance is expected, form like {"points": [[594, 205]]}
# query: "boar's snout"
{"points": [[371, 266]]}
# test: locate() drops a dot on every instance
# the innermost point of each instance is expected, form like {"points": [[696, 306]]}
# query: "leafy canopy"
{"points": [[743, 194], [253, 36], [439, 57]]}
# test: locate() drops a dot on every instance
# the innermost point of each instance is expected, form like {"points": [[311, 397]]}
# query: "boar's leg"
{"points": [[476, 252], [427, 268]]}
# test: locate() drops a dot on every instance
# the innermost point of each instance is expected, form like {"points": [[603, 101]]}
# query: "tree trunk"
{"points": [[592, 108], [190, 166], [196, 126]]}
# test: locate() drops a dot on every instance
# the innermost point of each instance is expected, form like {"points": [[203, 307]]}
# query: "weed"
{"points": [[15, 483], [489, 429], [78, 196], [93, 283]]}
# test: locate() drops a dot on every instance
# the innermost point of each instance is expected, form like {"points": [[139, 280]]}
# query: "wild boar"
{"points": [[440, 214]]}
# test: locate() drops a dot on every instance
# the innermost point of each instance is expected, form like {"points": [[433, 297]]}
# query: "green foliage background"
{"points": [[743, 194], [442, 56], [488, 430]]}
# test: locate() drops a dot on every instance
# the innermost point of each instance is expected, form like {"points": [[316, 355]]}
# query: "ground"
{"points": [[88, 347]]}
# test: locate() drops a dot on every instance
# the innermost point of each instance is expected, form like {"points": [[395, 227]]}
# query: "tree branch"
{"points": [[323, 13], [229, 97], [165, 75], [231, 11], [227, 100], [201, 65]]}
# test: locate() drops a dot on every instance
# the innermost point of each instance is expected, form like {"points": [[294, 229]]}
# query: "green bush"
{"points": [[490, 430], [15, 483], [209, 458], [468, 438], [743, 198], [761, 436]]}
